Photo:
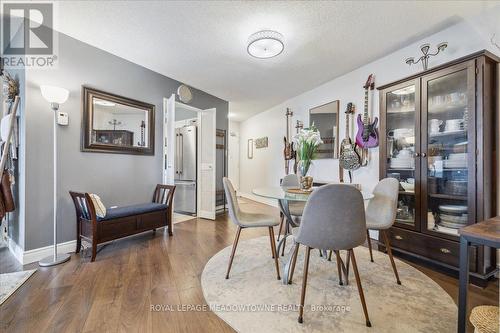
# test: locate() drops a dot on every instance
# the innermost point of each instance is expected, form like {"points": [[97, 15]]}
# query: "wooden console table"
{"points": [[485, 233]]}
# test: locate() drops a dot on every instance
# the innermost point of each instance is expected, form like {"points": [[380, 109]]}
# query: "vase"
{"points": [[305, 180]]}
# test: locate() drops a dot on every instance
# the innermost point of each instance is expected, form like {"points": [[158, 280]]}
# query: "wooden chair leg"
{"points": [[275, 254], [369, 244], [78, 244], [360, 288], [330, 255], [94, 251], [339, 266], [304, 284], [235, 243], [294, 261], [271, 239], [347, 267], [389, 252], [282, 218]]}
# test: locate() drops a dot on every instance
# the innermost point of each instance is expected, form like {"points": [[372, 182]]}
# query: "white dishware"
{"points": [[410, 181], [407, 186], [453, 208]]}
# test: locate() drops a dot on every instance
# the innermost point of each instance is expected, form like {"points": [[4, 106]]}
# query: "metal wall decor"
{"points": [[250, 148], [426, 55], [261, 142]]}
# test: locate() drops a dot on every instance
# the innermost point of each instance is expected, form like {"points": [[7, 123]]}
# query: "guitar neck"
{"points": [[365, 113], [347, 125]]}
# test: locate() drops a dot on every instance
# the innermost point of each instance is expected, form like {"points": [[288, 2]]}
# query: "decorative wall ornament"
{"points": [[425, 58], [250, 149], [261, 142]]}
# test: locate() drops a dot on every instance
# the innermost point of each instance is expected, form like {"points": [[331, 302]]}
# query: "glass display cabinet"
{"points": [[437, 137]]}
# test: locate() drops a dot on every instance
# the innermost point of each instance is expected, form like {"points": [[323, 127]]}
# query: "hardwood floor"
{"points": [[116, 293]]}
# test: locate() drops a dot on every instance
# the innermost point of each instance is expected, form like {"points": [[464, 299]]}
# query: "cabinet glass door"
{"points": [[401, 138], [447, 152]]}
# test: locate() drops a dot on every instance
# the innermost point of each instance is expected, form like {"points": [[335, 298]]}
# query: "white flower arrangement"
{"points": [[307, 142]]}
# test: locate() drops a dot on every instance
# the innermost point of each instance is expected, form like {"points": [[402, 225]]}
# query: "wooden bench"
{"points": [[124, 221]]}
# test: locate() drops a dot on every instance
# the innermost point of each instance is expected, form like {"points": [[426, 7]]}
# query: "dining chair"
{"points": [[381, 214], [333, 219], [294, 207], [245, 220]]}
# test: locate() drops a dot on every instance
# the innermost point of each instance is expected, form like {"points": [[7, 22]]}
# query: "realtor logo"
{"points": [[27, 34]]}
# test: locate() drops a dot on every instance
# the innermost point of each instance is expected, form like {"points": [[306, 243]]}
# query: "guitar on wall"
{"points": [[288, 151], [349, 159], [367, 136]]}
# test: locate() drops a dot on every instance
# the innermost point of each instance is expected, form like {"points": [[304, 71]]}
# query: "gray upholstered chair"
{"points": [[248, 220], [381, 213], [333, 219], [294, 207]]}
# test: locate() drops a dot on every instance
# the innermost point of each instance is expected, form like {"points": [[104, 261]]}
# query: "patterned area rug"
{"points": [[10, 282], [252, 300]]}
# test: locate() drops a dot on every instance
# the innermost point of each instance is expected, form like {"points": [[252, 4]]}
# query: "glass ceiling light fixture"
{"points": [[265, 44], [425, 58]]}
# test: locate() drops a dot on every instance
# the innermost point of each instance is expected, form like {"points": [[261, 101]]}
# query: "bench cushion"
{"points": [[113, 213]]}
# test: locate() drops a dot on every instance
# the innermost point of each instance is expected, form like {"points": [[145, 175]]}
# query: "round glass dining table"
{"points": [[280, 193], [283, 196]]}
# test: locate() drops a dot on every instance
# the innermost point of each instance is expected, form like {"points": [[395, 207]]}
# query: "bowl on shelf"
{"points": [[409, 187]]}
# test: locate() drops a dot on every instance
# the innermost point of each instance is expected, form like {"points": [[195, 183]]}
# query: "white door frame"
{"points": [[168, 172]]}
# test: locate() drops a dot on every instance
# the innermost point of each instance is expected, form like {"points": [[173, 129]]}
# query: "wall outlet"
{"points": [[62, 118]]}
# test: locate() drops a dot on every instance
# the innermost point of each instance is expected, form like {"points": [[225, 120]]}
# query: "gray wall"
{"points": [[118, 179]]}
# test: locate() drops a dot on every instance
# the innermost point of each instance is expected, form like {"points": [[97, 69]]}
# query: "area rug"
{"points": [[253, 300], [10, 282]]}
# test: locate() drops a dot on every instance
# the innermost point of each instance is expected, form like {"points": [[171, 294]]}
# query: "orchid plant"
{"points": [[307, 142]]}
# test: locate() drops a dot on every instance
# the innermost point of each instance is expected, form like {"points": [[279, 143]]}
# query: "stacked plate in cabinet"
{"points": [[456, 161], [453, 216]]}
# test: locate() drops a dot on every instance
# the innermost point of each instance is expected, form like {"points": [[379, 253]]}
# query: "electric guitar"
{"points": [[349, 159], [367, 136], [288, 151]]}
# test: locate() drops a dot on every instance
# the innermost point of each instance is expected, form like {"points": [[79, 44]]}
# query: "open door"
{"points": [[206, 164], [169, 140]]}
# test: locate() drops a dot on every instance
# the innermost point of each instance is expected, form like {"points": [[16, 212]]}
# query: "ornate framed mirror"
{"points": [[116, 124]]}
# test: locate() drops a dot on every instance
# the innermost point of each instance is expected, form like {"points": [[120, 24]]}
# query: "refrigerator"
{"points": [[185, 170]]}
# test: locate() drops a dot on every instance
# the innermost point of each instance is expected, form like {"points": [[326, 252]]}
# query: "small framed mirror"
{"points": [[116, 124], [326, 119]]}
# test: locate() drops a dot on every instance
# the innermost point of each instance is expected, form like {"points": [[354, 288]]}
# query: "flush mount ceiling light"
{"points": [[265, 44]]}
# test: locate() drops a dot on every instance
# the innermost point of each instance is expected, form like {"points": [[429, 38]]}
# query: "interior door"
{"points": [[448, 150], [206, 164], [169, 141], [400, 139]]}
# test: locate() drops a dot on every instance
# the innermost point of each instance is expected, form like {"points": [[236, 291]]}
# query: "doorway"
{"points": [[189, 157]]}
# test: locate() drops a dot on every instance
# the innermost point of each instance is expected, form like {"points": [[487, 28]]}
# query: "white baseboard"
{"points": [[27, 257], [16, 250], [266, 201]]}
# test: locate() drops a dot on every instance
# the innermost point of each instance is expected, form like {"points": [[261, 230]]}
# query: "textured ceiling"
{"points": [[203, 43]]}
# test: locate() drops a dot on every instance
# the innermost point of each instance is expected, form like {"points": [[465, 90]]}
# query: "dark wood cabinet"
{"points": [[438, 138]]}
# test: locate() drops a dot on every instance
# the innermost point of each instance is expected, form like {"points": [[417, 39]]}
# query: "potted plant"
{"points": [[307, 141]]}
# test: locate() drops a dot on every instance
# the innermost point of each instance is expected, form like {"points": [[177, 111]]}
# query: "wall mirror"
{"points": [[116, 124], [326, 119]]}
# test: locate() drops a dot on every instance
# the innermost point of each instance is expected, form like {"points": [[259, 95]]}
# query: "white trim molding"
{"points": [[27, 257]]}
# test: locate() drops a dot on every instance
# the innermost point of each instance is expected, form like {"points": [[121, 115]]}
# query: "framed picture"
{"points": [[250, 148], [261, 142]]}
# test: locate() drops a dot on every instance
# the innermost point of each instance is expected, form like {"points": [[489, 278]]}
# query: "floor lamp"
{"points": [[55, 96]]}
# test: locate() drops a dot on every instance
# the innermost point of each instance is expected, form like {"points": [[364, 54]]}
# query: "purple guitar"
{"points": [[367, 136]]}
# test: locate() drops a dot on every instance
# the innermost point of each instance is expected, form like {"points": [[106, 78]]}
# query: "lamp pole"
{"points": [[56, 258]]}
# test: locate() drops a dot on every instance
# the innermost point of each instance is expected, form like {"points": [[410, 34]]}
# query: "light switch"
{"points": [[62, 118]]}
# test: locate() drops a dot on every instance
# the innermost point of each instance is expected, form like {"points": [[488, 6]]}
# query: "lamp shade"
{"points": [[54, 94]]}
